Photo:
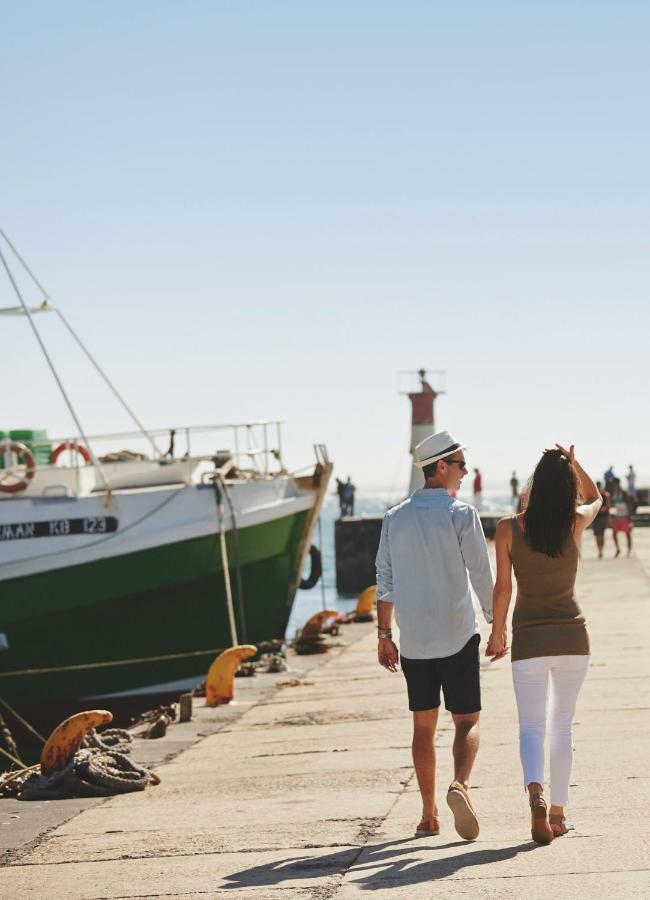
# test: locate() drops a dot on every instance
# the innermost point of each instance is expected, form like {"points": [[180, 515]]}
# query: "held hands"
{"points": [[497, 645], [387, 654]]}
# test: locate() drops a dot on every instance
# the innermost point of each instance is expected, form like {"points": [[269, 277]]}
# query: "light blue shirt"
{"points": [[429, 546]]}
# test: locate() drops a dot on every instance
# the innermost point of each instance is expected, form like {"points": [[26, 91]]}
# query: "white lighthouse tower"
{"points": [[422, 411]]}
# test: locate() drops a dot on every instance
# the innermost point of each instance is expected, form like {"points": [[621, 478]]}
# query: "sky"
{"points": [[265, 209]]}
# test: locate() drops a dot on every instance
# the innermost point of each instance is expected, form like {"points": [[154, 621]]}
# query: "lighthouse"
{"points": [[422, 416]]}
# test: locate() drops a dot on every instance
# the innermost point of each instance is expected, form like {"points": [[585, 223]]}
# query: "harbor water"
{"points": [[324, 595]]}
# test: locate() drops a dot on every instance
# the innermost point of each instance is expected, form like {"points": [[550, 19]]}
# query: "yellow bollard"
{"points": [[313, 626], [219, 682], [66, 738], [365, 604]]}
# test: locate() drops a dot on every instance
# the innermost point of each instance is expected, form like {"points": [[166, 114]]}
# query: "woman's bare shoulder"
{"points": [[504, 526]]}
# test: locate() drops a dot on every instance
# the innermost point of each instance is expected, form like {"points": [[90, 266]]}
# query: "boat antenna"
{"points": [[77, 339]]}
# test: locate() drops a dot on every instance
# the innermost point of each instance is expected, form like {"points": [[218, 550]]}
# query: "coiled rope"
{"points": [[101, 767]]}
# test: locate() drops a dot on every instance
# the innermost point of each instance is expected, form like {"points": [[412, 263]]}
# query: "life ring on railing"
{"points": [[71, 445], [22, 481], [315, 571]]}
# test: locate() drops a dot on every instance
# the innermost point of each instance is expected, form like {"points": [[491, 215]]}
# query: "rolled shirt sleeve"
{"points": [[383, 566], [474, 551]]}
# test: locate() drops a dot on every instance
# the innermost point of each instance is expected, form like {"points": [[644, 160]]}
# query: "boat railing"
{"points": [[254, 447]]}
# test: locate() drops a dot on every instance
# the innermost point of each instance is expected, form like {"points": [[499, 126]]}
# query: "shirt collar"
{"points": [[430, 497]]}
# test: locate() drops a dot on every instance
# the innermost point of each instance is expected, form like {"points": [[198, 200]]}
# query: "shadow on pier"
{"points": [[380, 865]]}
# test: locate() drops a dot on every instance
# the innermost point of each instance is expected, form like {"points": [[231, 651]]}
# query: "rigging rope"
{"points": [[226, 567], [75, 336], [235, 543], [53, 368]]}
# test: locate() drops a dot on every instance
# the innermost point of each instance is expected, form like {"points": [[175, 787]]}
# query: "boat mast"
{"points": [[48, 305]]}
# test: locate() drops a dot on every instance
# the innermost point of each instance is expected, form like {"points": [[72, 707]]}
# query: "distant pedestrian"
{"points": [[514, 487], [621, 510], [631, 485], [602, 519], [549, 634], [609, 479], [477, 488], [429, 544], [348, 498], [340, 488]]}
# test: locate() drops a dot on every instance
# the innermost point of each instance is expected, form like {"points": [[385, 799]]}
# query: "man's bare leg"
{"points": [[465, 747], [424, 758], [615, 536]]}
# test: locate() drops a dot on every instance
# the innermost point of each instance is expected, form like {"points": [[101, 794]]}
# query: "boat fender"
{"points": [[219, 682], [315, 571], [71, 445], [30, 467]]}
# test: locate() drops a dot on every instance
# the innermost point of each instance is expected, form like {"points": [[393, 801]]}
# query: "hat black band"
{"points": [[448, 450]]}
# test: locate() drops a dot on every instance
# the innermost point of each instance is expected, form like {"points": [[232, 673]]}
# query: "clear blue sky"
{"points": [[267, 209]]}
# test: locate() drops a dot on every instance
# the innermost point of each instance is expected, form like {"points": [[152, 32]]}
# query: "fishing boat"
{"points": [[128, 561]]}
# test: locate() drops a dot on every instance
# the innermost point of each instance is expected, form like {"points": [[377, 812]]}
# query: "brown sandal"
{"points": [[558, 824], [428, 827], [540, 831]]}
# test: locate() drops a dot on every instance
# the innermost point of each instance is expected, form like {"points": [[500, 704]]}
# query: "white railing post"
{"points": [[266, 450]]}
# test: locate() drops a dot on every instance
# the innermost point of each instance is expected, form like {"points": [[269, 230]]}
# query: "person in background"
{"points": [[549, 635], [477, 488], [340, 487], [348, 497], [609, 479], [621, 511], [514, 486], [602, 519], [431, 546], [631, 486]]}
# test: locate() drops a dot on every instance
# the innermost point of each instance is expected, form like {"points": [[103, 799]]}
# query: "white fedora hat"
{"points": [[435, 447]]}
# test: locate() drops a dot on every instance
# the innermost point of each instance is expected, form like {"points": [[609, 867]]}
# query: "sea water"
{"points": [[324, 595]]}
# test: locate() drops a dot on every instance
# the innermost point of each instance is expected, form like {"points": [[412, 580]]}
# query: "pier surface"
{"points": [[308, 791]]}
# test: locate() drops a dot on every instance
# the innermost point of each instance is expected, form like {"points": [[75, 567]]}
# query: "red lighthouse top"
{"points": [[422, 402]]}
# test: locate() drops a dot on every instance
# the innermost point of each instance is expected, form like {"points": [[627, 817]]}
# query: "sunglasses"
{"points": [[459, 462]]}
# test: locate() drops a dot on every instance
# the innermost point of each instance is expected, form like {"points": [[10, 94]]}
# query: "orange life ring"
{"points": [[71, 445], [22, 481]]}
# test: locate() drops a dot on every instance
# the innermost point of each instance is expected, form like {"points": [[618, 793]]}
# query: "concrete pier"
{"points": [[308, 791]]}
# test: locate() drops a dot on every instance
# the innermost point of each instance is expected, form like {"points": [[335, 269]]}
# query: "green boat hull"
{"points": [[135, 622]]}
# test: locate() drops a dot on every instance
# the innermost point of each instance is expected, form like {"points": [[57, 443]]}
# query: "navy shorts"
{"points": [[457, 675]]}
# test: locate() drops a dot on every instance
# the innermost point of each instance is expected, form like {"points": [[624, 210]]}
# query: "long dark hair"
{"points": [[553, 496]]}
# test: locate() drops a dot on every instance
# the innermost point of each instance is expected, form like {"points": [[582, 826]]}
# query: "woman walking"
{"points": [[550, 644]]}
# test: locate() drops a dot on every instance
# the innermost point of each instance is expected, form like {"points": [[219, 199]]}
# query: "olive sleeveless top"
{"points": [[547, 620]]}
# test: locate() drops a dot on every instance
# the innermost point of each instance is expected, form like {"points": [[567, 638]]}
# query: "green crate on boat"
{"points": [[33, 438]]}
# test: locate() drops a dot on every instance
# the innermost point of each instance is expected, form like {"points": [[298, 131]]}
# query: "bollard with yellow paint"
{"points": [[365, 604], [219, 682], [66, 738], [315, 624]]}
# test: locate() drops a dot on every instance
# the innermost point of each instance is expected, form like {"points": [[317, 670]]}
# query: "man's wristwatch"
{"points": [[384, 633]]}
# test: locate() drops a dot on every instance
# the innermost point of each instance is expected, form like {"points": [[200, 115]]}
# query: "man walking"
{"points": [[429, 544]]}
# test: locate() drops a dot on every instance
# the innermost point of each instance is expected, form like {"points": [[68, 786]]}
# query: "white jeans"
{"points": [[531, 679]]}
